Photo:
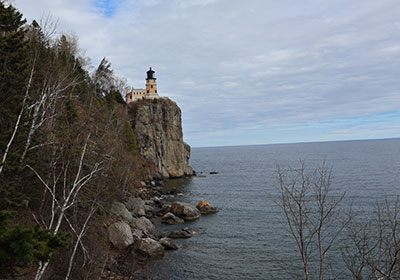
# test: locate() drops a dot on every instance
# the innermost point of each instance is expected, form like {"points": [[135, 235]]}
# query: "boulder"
{"points": [[118, 209], [185, 211], [168, 243], [206, 208], [171, 219], [146, 226], [183, 233], [150, 208], [165, 208], [137, 206], [149, 248], [120, 235], [149, 202], [137, 234]]}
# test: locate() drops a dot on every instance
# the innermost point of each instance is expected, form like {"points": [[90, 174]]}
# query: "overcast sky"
{"points": [[251, 71]]}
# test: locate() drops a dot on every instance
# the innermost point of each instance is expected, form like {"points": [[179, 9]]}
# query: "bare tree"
{"points": [[371, 248], [79, 235], [68, 181], [55, 84], [310, 211]]}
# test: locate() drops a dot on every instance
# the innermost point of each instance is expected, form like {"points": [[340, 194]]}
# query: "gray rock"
{"points": [[164, 209], [206, 208], [168, 243], [188, 169], [137, 206], [149, 208], [120, 235], [118, 209], [185, 211], [171, 219], [137, 234], [158, 131], [183, 233], [146, 226], [149, 202], [150, 248]]}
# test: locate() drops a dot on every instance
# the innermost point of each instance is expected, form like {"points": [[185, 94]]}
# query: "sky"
{"points": [[251, 72]]}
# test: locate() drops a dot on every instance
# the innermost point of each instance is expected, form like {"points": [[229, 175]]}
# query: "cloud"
{"points": [[241, 72]]}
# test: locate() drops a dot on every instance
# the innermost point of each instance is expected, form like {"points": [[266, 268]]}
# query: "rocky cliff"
{"points": [[157, 126]]}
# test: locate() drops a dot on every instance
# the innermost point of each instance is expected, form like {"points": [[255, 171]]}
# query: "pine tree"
{"points": [[130, 137], [14, 73], [20, 247], [14, 60]]}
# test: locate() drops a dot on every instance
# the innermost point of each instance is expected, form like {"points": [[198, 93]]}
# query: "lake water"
{"points": [[247, 239]]}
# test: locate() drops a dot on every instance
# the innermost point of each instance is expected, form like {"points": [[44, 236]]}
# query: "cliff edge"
{"points": [[157, 125]]}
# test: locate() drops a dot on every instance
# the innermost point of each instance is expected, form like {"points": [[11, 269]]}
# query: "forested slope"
{"points": [[67, 151]]}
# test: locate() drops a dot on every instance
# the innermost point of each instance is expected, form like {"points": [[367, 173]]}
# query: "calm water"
{"points": [[246, 239]]}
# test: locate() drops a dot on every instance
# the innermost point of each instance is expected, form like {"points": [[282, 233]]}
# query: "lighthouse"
{"points": [[150, 92], [151, 85]]}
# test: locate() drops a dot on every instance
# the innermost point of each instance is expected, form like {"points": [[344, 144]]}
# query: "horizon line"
{"points": [[305, 142]]}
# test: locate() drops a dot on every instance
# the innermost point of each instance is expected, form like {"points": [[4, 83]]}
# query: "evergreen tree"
{"points": [[130, 137], [20, 247], [14, 60], [14, 70]]}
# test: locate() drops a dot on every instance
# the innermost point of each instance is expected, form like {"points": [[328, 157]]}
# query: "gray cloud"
{"points": [[241, 69]]}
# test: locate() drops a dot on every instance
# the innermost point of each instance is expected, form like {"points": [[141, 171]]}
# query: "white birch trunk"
{"points": [[3, 160]]}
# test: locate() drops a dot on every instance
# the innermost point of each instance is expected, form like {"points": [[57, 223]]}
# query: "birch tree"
{"points": [[64, 187], [310, 212]]}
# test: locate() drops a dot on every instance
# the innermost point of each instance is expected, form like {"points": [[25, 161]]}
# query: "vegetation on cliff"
{"points": [[67, 151]]}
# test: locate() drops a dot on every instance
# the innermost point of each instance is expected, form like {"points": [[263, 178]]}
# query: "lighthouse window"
{"points": [[151, 86]]}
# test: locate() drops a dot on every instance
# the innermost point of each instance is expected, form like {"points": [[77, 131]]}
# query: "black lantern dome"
{"points": [[150, 75]]}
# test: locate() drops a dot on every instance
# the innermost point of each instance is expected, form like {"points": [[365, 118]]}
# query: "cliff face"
{"points": [[158, 129]]}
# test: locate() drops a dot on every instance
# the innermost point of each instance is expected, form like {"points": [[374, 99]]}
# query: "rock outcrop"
{"points": [[136, 206], [120, 235], [206, 208], [171, 219], [168, 243], [149, 248], [119, 210], [146, 226], [185, 211], [183, 233], [157, 126]]}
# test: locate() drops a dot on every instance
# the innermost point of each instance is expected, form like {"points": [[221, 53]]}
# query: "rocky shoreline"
{"points": [[134, 230]]}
